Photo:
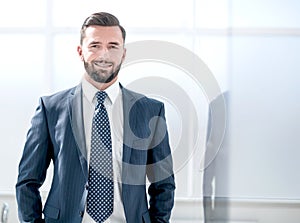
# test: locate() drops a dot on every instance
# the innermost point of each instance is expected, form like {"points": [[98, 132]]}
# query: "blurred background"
{"points": [[250, 46]]}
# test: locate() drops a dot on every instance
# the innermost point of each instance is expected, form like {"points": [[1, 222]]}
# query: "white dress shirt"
{"points": [[114, 106]]}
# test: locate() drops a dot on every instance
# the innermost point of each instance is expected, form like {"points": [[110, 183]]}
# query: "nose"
{"points": [[103, 53]]}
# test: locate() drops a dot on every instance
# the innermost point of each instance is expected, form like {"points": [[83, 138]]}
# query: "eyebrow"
{"points": [[111, 43], [114, 43]]}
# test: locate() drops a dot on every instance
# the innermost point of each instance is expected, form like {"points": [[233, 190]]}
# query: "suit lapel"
{"points": [[128, 101], [76, 119], [131, 122], [133, 172]]}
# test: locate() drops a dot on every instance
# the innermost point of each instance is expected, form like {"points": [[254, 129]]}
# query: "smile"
{"points": [[103, 64]]}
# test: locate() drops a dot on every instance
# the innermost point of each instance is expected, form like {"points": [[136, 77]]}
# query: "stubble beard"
{"points": [[99, 75]]}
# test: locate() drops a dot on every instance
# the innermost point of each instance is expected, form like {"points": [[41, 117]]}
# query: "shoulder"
{"points": [[60, 98], [137, 103], [140, 98], [61, 94]]}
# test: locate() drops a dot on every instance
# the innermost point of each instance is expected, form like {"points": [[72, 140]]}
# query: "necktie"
{"points": [[100, 181]]}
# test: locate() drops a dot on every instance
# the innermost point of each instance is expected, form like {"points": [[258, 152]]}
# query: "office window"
{"points": [[265, 14], [39, 40], [19, 14]]}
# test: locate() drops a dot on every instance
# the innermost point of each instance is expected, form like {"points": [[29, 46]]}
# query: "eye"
{"points": [[113, 46], [94, 46]]}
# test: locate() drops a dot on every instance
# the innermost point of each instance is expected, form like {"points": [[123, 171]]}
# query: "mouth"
{"points": [[103, 64]]}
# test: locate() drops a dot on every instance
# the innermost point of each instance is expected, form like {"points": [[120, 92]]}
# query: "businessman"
{"points": [[104, 142]]}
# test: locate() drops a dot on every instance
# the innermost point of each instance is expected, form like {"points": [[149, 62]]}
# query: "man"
{"points": [[69, 128]]}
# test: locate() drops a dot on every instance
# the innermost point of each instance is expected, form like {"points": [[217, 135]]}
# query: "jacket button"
{"points": [[81, 213], [86, 186]]}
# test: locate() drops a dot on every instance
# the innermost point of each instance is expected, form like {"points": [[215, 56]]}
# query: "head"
{"points": [[102, 48]]}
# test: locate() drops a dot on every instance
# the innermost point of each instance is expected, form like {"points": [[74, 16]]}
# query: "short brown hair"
{"points": [[101, 19]]}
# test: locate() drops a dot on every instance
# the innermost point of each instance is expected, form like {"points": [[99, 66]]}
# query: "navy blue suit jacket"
{"points": [[57, 135]]}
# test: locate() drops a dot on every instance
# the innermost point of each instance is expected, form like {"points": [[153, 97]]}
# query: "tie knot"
{"points": [[101, 95]]}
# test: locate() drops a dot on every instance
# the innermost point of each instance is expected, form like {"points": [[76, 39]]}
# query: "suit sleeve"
{"points": [[33, 167], [160, 173]]}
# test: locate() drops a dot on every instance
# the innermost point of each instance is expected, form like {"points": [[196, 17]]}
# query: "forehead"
{"points": [[103, 34]]}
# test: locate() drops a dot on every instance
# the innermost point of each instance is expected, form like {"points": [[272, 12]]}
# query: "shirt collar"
{"points": [[89, 91]]}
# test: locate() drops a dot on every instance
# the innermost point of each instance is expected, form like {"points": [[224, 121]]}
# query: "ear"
{"points": [[79, 51], [124, 55]]}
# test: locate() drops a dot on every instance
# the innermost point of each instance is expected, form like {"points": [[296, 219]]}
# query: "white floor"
{"points": [[219, 211]]}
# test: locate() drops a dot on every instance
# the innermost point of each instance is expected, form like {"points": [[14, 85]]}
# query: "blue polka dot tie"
{"points": [[100, 181]]}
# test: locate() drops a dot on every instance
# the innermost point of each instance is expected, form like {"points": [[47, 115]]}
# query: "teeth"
{"points": [[101, 64]]}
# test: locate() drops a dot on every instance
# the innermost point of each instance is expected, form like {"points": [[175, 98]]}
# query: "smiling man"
{"points": [[102, 51], [98, 137]]}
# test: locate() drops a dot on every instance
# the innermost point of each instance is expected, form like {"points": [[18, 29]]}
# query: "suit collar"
{"points": [[89, 91]]}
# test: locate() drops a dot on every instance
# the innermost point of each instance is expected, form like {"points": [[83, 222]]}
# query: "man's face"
{"points": [[102, 52]]}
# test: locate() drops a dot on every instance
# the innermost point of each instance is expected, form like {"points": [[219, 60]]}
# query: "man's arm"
{"points": [[160, 173], [33, 167]]}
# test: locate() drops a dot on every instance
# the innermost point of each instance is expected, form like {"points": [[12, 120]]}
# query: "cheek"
{"points": [[88, 57], [117, 56]]}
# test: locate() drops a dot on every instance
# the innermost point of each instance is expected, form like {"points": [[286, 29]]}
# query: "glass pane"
{"points": [[212, 14], [21, 83], [266, 13], [68, 68], [19, 13], [155, 13], [213, 50], [179, 38], [265, 117]]}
